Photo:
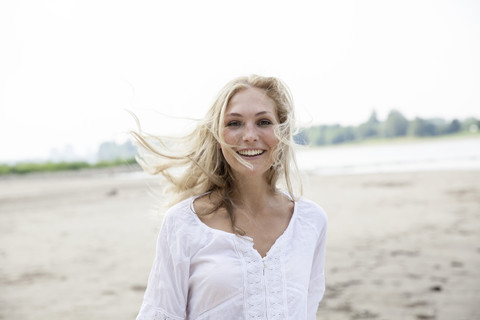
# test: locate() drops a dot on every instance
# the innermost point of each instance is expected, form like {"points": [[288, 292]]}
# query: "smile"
{"points": [[250, 152]]}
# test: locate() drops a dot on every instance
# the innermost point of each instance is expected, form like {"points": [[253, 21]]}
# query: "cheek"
{"points": [[229, 136], [271, 139]]}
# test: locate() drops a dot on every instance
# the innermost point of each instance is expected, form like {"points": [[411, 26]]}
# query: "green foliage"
{"points": [[471, 125], [113, 163], [29, 167], [421, 128], [109, 154], [4, 169], [453, 127], [396, 125], [323, 135], [368, 129]]}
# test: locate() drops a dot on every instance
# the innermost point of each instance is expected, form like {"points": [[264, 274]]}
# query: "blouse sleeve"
{"points": [[316, 287], [166, 294]]}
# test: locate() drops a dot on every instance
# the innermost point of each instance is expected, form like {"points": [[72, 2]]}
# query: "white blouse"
{"points": [[203, 273]]}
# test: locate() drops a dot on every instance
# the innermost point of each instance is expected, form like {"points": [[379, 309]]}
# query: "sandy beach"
{"points": [[400, 245]]}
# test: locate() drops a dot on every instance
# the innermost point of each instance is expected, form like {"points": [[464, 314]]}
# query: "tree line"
{"points": [[30, 167], [395, 125], [110, 154]]}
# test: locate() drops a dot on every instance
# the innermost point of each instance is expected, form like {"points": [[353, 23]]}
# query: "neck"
{"points": [[252, 193]]}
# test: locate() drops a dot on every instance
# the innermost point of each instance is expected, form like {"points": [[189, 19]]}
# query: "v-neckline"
{"points": [[277, 241], [247, 238]]}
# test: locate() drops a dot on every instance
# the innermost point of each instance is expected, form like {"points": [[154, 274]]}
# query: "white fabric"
{"points": [[203, 273]]}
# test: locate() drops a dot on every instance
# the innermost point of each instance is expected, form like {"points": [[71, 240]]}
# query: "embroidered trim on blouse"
{"points": [[265, 287]]}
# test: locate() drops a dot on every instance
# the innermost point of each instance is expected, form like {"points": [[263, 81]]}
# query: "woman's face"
{"points": [[248, 127]]}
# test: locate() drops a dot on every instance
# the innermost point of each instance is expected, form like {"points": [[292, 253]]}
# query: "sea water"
{"points": [[444, 154]]}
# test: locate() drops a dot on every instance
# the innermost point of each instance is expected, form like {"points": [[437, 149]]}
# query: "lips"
{"points": [[250, 152]]}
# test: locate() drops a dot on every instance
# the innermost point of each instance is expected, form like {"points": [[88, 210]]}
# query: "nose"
{"points": [[250, 133]]}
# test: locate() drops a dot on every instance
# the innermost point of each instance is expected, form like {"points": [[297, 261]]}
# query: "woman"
{"points": [[234, 246]]}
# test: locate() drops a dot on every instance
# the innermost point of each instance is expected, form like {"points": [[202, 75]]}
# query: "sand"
{"points": [[400, 245]]}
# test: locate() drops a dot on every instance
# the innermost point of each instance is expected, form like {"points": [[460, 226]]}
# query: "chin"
{"points": [[247, 173]]}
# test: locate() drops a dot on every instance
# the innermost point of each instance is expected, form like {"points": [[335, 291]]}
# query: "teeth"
{"points": [[250, 152]]}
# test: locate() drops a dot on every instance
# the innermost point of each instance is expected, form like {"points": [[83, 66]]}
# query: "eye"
{"points": [[233, 123], [264, 122]]}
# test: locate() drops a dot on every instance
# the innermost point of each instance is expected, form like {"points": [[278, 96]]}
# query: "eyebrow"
{"points": [[239, 115]]}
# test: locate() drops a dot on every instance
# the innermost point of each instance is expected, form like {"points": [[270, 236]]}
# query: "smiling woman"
{"points": [[234, 246], [249, 129]]}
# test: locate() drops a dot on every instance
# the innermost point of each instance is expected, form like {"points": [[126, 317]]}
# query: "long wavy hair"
{"points": [[202, 166]]}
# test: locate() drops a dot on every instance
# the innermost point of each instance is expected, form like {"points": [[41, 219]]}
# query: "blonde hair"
{"points": [[205, 168]]}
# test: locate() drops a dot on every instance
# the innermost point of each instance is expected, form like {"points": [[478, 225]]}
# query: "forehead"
{"points": [[250, 100]]}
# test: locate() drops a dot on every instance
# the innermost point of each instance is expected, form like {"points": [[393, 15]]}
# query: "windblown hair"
{"points": [[203, 168]]}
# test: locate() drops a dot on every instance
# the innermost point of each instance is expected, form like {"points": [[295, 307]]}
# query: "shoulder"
{"points": [[180, 208], [180, 218], [178, 211], [181, 229], [309, 212]]}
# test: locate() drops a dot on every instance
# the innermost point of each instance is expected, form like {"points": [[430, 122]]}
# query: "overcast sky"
{"points": [[68, 69]]}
